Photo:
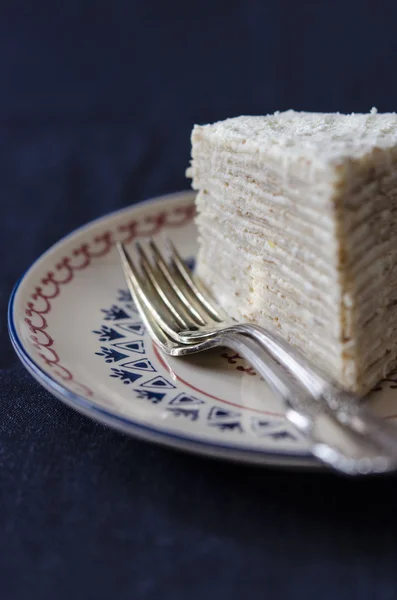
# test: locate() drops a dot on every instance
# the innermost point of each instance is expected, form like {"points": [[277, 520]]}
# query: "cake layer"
{"points": [[274, 240], [283, 309], [305, 143]]}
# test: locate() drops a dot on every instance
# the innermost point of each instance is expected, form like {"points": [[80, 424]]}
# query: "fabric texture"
{"points": [[96, 107]]}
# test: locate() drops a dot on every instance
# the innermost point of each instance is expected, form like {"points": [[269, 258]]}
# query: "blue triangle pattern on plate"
{"points": [[271, 429], [153, 397], [224, 419], [142, 364], [158, 389], [185, 400], [107, 334], [264, 426], [135, 346], [124, 296], [126, 377], [216, 413], [111, 355], [227, 426], [115, 313], [282, 435], [137, 328], [158, 382], [188, 413]]}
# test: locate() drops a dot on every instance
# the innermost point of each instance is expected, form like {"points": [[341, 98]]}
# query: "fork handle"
{"points": [[338, 445], [346, 407]]}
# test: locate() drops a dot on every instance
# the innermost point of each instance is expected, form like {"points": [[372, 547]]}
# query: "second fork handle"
{"points": [[341, 447], [347, 407]]}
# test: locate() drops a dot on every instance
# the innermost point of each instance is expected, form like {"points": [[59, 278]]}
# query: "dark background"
{"points": [[97, 100]]}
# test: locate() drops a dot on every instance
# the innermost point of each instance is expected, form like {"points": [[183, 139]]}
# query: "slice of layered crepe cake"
{"points": [[297, 221]]}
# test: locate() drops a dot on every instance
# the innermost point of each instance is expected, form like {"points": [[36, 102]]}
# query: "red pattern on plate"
{"points": [[51, 285], [196, 389], [232, 360]]}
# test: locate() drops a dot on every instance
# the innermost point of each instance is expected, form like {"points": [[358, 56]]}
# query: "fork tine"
{"points": [[150, 274], [129, 274], [162, 266], [194, 289], [141, 298]]}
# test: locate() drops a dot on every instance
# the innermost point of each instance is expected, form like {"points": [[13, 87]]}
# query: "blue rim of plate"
{"points": [[126, 425]]}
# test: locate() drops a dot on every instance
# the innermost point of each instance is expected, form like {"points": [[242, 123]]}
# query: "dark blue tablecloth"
{"points": [[97, 100]]}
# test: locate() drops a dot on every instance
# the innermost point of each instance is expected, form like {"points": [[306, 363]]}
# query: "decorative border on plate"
{"points": [[122, 345], [50, 286]]}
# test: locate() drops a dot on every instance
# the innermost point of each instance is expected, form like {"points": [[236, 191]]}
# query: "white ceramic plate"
{"points": [[77, 332]]}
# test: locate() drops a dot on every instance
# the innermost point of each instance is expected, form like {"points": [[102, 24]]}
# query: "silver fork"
{"points": [[182, 320]]}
